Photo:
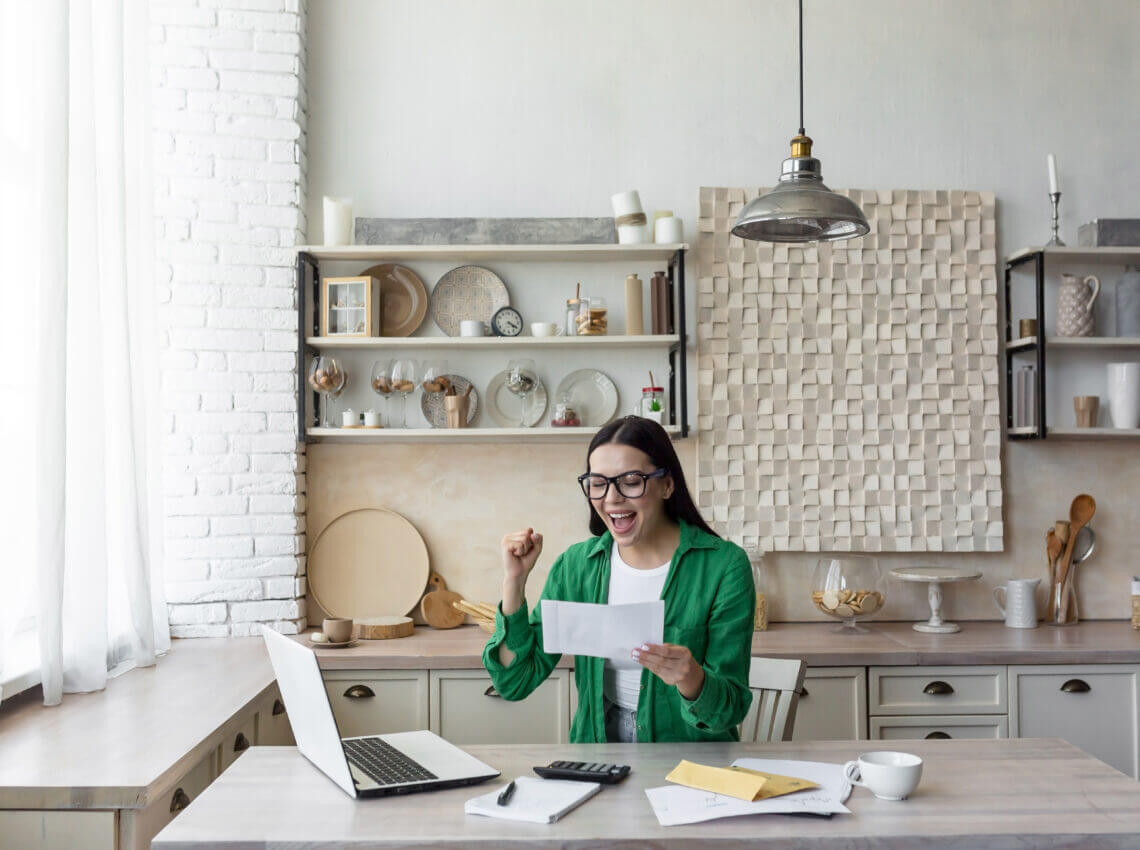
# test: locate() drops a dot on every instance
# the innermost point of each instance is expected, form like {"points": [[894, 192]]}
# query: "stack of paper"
{"points": [[676, 804], [605, 631], [534, 800]]}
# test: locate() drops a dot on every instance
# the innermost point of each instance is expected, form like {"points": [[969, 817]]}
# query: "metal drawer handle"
{"points": [[937, 736], [938, 689], [179, 801], [1076, 686], [491, 692], [278, 708], [804, 692], [359, 692], [241, 743]]}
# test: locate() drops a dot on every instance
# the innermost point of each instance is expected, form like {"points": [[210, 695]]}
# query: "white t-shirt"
{"points": [[622, 685]]}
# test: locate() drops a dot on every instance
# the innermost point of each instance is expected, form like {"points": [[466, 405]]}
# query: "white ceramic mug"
{"points": [[1124, 394], [886, 774], [1020, 608], [546, 329], [472, 327], [349, 417], [372, 418]]}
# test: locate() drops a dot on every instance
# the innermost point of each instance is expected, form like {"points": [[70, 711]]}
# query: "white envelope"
{"points": [[605, 631]]}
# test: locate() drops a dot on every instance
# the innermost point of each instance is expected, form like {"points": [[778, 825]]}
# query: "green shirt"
{"points": [[709, 603]]}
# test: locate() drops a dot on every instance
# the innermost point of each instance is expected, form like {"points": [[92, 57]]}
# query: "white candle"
{"points": [[1052, 160], [338, 220]]}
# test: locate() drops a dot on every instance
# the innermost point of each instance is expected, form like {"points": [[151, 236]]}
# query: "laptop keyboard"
{"points": [[384, 763]]}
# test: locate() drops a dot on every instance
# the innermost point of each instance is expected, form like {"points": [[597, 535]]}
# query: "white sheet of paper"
{"points": [[676, 804], [605, 631]]}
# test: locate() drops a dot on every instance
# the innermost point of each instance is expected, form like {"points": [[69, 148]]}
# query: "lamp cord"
{"points": [[802, 68]]}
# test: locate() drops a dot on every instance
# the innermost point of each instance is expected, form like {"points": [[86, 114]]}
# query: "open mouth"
{"points": [[622, 521]]}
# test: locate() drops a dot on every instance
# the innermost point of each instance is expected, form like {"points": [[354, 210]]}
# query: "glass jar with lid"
{"points": [[652, 404], [566, 413]]}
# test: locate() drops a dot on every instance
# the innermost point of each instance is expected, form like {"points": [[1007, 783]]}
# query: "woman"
{"points": [[649, 543]]}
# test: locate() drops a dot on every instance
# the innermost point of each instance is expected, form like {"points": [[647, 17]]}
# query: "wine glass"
{"points": [[434, 378], [382, 382], [848, 587], [328, 378], [522, 381], [403, 380]]}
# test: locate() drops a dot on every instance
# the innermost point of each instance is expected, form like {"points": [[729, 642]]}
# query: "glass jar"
{"points": [[566, 413], [573, 305], [652, 404], [760, 620], [592, 319], [848, 588]]}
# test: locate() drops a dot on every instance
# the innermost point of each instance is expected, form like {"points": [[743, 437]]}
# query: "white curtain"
{"points": [[86, 268]]}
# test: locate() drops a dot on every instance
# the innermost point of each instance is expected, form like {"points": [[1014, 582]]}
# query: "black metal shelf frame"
{"points": [[309, 296], [1038, 260]]}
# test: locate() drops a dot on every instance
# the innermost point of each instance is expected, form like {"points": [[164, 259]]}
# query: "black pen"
{"points": [[506, 794]]}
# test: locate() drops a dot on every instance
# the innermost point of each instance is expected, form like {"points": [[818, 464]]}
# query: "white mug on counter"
{"points": [[472, 327], [887, 774], [1020, 608], [546, 329]]}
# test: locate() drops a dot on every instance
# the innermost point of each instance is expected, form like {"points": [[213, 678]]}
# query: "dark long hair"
{"points": [[648, 436]]}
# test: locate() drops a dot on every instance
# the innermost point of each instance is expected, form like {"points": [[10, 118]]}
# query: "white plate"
{"points": [[505, 407], [594, 395]]}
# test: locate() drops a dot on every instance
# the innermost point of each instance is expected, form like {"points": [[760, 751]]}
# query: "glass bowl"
{"points": [[847, 588]]}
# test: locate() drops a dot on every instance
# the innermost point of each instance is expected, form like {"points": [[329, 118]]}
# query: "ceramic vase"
{"points": [[1124, 394], [1075, 305]]}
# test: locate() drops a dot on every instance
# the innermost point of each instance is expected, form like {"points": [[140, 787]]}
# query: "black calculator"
{"points": [[585, 771]]}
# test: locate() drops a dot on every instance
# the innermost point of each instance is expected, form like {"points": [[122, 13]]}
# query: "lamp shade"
{"points": [[800, 208]]}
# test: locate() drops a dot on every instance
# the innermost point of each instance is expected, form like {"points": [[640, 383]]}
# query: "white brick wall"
{"points": [[230, 120]]}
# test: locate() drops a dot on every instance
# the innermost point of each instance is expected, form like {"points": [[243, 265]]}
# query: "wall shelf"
{"points": [[1077, 253], [462, 435], [491, 342], [1094, 433], [485, 253]]}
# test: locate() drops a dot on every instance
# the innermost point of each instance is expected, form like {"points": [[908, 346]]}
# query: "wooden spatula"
{"points": [[1080, 512], [1053, 548], [436, 605]]}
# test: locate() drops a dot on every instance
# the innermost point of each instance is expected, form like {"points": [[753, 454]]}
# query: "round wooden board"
{"points": [[368, 563], [385, 628]]}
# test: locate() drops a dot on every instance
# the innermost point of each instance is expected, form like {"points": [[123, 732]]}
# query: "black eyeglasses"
{"points": [[630, 484]]}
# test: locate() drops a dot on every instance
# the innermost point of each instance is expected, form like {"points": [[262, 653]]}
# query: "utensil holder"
{"points": [[455, 408], [1065, 604]]}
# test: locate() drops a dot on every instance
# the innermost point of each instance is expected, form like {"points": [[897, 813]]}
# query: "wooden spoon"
{"points": [[1053, 546], [1081, 511], [436, 606]]}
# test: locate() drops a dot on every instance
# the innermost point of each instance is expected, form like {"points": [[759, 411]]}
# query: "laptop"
{"points": [[371, 765]]}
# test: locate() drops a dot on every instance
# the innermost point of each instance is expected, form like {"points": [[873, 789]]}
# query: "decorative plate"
{"points": [[403, 299], [328, 644], [505, 407], [432, 403], [367, 563], [467, 292], [595, 396]]}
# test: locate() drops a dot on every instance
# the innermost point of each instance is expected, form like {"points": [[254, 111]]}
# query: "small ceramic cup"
{"points": [[337, 629], [546, 329], [372, 418], [472, 327], [349, 417], [886, 774], [1085, 408]]}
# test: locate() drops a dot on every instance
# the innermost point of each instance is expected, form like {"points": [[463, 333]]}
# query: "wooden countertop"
{"points": [[991, 793], [892, 644], [119, 747]]}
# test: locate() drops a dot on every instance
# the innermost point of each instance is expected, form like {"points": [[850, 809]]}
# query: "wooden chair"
{"points": [[776, 685]]}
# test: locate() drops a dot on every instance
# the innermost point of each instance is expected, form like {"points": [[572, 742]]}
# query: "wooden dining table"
{"points": [[1006, 793]]}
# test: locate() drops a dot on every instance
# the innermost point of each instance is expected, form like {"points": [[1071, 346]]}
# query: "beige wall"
{"points": [[462, 498]]}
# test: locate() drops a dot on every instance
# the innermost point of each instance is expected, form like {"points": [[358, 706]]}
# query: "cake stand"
{"points": [[935, 577]]}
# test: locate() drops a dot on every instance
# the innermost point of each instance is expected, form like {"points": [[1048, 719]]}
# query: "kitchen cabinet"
{"points": [[376, 702], [833, 706], [138, 827], [1094, 707], [936, 726], [273, 729], [466, 710], [237, 741], [937, 690], [56, 830]]}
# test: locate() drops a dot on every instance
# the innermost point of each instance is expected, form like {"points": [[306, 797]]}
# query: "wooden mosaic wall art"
{"points": [[848, 391]]}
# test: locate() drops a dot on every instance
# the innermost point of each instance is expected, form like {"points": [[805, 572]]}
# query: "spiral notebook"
{"points": [[535, 800]]}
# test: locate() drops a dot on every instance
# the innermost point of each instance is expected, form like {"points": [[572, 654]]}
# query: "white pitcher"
{"points": [[1075, 304], [1020, 609]]}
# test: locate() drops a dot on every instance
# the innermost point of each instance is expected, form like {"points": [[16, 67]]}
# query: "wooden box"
{"points": [[350, 306]]}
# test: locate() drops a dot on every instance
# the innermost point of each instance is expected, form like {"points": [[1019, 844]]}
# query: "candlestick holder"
{"points": [[1055, 242]]}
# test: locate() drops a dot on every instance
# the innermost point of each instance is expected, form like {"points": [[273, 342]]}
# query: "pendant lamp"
{"points": [[800, 208]]}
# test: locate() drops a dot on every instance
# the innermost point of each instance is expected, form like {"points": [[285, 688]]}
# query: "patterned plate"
{"points": [[505, 407], [467, 292], [432, 403], [403, 297], [595, 396]]}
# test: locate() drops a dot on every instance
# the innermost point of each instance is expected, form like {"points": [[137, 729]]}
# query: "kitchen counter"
{"points": [[886, 644], [119, 747], [993, 793]]}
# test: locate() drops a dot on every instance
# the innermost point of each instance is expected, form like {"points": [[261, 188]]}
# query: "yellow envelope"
{"points": [[739, 782]]}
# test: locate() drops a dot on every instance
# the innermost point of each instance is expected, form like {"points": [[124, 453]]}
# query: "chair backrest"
{"points": [[776, 685]]}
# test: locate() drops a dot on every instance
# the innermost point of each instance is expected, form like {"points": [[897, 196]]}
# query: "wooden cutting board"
{"points": [[436, 607]]}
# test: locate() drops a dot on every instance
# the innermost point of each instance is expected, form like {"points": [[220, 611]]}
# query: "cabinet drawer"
{"points": [[376, 702], [140, 826], [1092, 707], [833, 706], [463, 712], [937, 690], [57, 830], [237, 741], [939, 726], [273, 729]]}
